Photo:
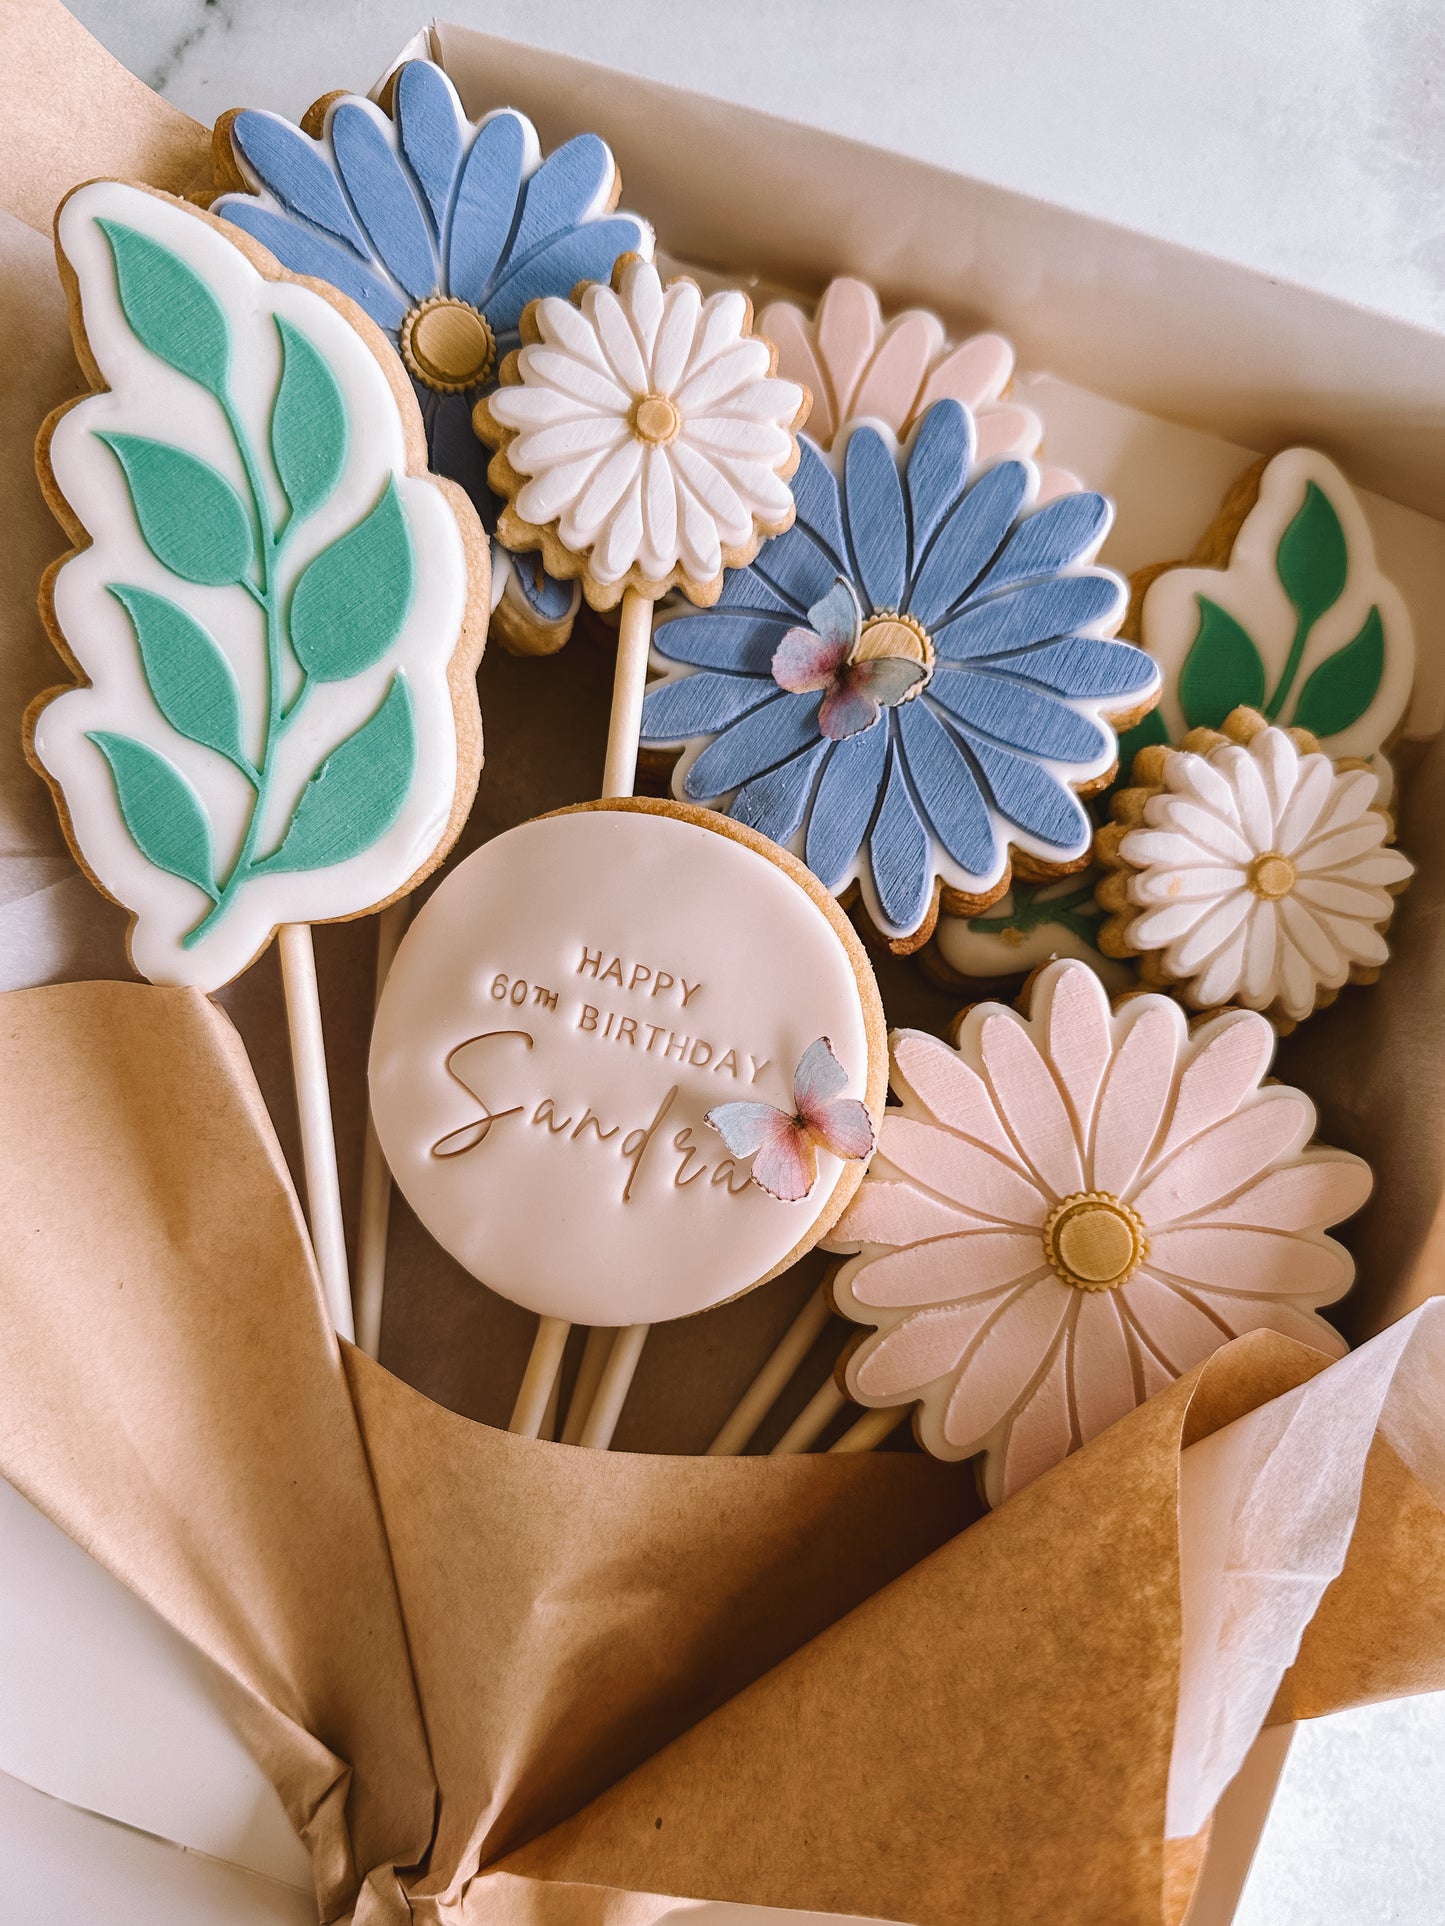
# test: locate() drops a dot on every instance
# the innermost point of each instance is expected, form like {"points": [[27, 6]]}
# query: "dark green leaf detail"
{"points": [[164, 815], [357, 793], [192, 682], [169, 307], [1222, 670], [193, 521], [308, 424], [1344, 685], [351, 602], [1312, 559]]}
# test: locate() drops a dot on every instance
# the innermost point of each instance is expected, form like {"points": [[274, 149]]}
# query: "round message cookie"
{"points": [[563, 1016], [1246, 867], [1074, 1207]]}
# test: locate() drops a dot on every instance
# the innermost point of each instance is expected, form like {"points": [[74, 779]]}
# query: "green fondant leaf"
{"points": [[163, 813], [192, 682], [351, 602], [169, 307], [357, 793], [1312, 559], [1222, 670], [193, 521], [308, 424], [1344, 685]]}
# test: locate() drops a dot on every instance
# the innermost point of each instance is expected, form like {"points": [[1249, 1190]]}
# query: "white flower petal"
{"points": [[1260, 951], [740, 437], [552, 493], [550, 368], [584, 522], [1386, 869], [1031, 1103], [1351, 795], [1220, 977], [1243, 1314], [773, 400], [619, 341], [1179, 885], [697, 535], [1210, 833], [535, 408], [643, 300], [1298, 986], [1343, 846], [681, 308], [1167, 850], [1251, 802], [746, 361], [763, 493], [1339, 897], [1310, 937], [1195, 778], [724, 316], [1100, 1365], [567, 441], [1157, 928], [1005, 1360], [621, 540], [659, 515], [1136, 1094], [1224, 921], [1277, 761], [565, 327], [717, 495], [1311, 793], [1361, 942]]}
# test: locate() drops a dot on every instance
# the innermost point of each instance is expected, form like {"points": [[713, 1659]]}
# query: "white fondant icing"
{"points": [[715, 945], [145, 396], [995, 945]]}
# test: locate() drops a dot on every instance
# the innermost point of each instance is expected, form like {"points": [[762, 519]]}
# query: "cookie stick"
{"points": [[273, 614], [374, 1214], [643, 443]]}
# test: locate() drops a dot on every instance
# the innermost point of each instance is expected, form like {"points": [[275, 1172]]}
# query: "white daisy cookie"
{"points": [[1247, 867]]}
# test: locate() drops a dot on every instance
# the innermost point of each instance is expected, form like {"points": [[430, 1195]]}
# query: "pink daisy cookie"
{"points": [[854, 364], [1071, 1209]]}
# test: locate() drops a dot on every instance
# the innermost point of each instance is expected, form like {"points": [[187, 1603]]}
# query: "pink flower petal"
{"points": [[1273, 1126], [787, 328], [976, 371], [1276, 1314], [1230, 1055], [903, 1361], [883, 1212], [962, 1172], [1178, 1331], [943, 1083], [1100, 1365], [1006, 430], [1073, 1006], [949, 1268], [1323, 1188], [1040, 1436], [848, 324], [1031, 1102], [1232, 1257], [1010, 1353], [1136, 1094], [892, 379]]}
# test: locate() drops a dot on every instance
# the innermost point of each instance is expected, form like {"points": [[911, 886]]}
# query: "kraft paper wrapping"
{"points": [[494, 1679]]}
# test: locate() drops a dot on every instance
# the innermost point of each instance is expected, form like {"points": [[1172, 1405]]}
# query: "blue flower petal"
{"points": [[1019, 717], [773, 804], [568, 185], [384, 198], [794, 565], [485, 205], [1020, 617], [428, 116], [1081, 666], [948, 791], [877, 520], [967, 541], [899, 856], [1049, 540], [744, 588], [290, 164], [760, 741], [1030, 798], [584, 253], [820, 511], [938, 465], [744, 642], [701, 705], [843, 808], [305, 251], [455, 450]]}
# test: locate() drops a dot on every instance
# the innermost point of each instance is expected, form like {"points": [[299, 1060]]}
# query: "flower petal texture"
{"points": [[1072, 1208]]}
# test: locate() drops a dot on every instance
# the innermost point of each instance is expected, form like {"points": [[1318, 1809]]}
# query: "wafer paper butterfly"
{"points": [[824, 656], [784, 1147]]}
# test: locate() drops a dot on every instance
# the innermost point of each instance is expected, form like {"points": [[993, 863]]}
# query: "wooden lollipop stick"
{"points": [[613, 1386], [619, 775], [374, 1217], [761, 1395], [589, 1373], [554, 1404], [871, 1429], [318, 1136], [540, 1377], [812, 1421]]}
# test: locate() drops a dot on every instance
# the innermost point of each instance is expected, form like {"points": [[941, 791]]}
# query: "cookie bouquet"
{"points": [[852, 1049]]}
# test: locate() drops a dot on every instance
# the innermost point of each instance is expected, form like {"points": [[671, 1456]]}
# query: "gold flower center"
{"points": [[1094, 1241], [1271, 876], [655, 418], [891, 634], [448, 344]]}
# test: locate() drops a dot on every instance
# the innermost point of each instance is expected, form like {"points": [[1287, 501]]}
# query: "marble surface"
{"points": [[1303, 139]]}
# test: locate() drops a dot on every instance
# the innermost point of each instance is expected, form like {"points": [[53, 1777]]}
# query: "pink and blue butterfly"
{"points": [[784, 1145]]}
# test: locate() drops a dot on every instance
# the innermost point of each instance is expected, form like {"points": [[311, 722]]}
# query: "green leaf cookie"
{"points": [[170, 308], [1313, 559], [308, 424], [1340, 690], [1222, 670], [351, 602], [356, 794], [163, 813], [189, 677], [193, 521]]}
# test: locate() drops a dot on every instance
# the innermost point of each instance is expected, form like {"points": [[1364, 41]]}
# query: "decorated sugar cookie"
{"points": [[909, 688], [1246, 867], [273, 613], [855, 365], [570, 1036], [443, 229], [1073, 1208], [1299, 624], [1030, 925], [643, 439]]}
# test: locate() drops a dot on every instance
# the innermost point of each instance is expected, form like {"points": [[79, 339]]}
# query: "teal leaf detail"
{"points": [[193, 521], [164, 815], [1222, 669], [308, 423], [1344, 685], [169, 307], [357, 793], [192, 682], [1312, 559], [352, 600]]}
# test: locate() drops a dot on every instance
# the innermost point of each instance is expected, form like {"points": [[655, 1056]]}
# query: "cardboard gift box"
{"points": [[492, 1678]]}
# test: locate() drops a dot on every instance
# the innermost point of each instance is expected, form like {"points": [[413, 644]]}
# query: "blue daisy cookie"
{"points": [[442, 229], [910, 686]]}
